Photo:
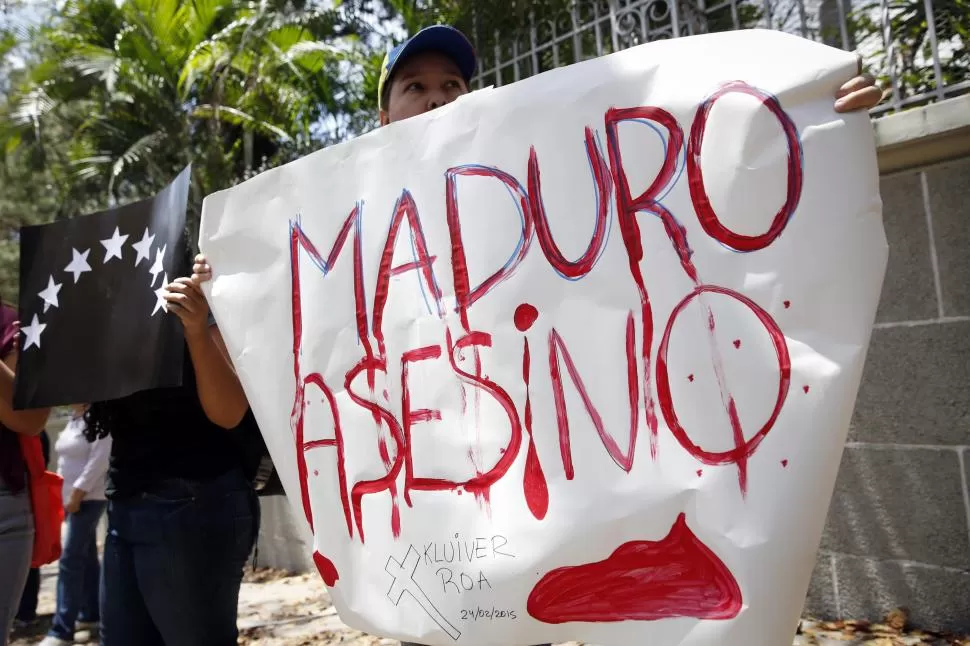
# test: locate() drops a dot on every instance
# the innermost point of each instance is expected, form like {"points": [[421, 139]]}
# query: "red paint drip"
{"points": [[690, 378], [784, 463], [534, 484], [677, 576], [737, 343], [806, 389], [525, 316], [315, 472], [326, 568], [700, 472], [787, 304]]}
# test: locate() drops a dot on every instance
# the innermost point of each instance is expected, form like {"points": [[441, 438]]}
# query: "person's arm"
{"points": [[95, 469], [26, 422], [220, 393]]}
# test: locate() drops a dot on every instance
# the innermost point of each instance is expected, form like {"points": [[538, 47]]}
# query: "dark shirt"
{"points": [[12, 469], [163, 434]]}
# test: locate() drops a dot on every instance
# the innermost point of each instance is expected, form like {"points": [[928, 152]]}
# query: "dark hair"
{"points": [[99, 419]]}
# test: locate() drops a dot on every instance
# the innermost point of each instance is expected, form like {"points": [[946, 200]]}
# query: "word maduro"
{"points": [[611, 183]]}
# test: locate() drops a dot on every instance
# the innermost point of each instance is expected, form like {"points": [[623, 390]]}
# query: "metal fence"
{"points": [[914, 47]]}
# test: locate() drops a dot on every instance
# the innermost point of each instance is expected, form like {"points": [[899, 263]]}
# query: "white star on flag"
{"points": [[79, 264], [49, 294], [160, 302], [158, 267], [32, 332], [143, 248], [112, 246]]}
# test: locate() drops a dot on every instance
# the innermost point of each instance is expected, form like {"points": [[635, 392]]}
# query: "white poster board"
{"points": [[572, 359]]}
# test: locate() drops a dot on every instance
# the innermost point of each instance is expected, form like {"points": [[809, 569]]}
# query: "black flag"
{"points": [[94, 325]]}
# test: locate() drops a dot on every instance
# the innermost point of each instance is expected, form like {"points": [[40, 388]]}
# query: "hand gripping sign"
{"points": [[572, 359]]}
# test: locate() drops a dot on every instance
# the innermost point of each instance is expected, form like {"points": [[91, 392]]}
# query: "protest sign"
{"points": [[572, 359]]}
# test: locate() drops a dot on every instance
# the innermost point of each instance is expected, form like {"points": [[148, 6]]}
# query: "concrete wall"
{"points": [[898, 532]]}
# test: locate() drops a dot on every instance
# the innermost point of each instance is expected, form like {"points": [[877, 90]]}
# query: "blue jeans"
{"points": [[78, 572], [173, 563]]}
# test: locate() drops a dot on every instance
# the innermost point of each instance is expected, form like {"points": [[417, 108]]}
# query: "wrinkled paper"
{"points": [[571, 359]]}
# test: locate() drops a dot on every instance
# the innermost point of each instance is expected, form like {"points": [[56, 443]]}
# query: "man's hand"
{"points": [[186, 301], [859, 93], [73, 504]]}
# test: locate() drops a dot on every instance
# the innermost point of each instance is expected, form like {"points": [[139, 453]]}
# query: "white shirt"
{"points": [[82, 464]]}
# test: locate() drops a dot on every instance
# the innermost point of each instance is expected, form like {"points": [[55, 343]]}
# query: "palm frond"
{"points": [[134, 154], [237, 117]]}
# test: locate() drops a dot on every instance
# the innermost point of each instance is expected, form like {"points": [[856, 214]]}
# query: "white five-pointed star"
{"points": [[112, 246], [32, 332], [79, 264], [143, 248], [158, 267], [160, 302], [49, 294]]}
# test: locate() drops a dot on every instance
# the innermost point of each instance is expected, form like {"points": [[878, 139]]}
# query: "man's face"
{"points": [[422, 83]]}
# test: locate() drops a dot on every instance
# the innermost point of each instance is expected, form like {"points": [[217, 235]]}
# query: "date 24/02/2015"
{"points": [[474, 614]]}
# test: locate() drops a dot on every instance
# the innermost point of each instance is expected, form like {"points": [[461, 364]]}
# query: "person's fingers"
{"points": [[182, 301], [186, 286], [855, 84], [201, 270], [859, 100]]}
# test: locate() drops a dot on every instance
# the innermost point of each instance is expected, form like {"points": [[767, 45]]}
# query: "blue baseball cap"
{"points": [[437, 38]]}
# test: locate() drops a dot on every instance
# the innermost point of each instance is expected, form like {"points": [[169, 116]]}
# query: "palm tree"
{"points": [[125, 94]]}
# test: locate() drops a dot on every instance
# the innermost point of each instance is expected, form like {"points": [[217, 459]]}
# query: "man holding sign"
{"points": [[470, 586]]}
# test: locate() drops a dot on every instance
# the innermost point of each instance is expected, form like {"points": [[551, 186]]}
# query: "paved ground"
{"points": [[277, 609]]}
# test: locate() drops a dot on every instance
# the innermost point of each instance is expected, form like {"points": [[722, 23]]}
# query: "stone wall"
{"points": [[898, 531]]}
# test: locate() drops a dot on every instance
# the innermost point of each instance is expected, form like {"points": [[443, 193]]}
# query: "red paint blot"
{"points": [[806, 389], [525, 316], [737, 343], [784, 463], [677, 576], [700, 472], [534, 484], [690, 378], [386, 396], [787, 304], [315, 472], [327, 569]]}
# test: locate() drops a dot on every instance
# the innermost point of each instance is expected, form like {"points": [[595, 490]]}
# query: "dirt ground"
{"points": [[280, 609]]}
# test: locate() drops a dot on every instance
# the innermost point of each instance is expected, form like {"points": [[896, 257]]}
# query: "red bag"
{"points": [[46, 502]]}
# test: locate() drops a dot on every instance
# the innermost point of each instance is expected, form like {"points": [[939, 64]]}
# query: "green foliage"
{"points": [[116, 97], [911, 55]]}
